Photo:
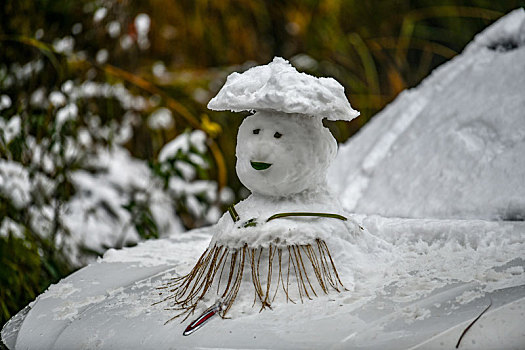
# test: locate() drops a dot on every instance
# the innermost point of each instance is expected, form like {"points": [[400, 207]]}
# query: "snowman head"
{"points": [[281, 154]]}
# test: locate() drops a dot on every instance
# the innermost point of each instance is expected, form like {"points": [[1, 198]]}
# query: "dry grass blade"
{"points": [[188, 290]]}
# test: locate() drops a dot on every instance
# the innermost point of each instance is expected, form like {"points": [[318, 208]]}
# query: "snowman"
{"points": [[290, 240]]}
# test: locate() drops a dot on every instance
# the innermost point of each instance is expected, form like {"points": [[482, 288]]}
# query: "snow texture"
{"points": [[278, 86], [161, 119], [451, 148], [287, 231], [420, 289]]}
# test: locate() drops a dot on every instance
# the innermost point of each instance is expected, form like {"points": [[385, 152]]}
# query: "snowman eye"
{"points": [[256, 131], [277, 135]]}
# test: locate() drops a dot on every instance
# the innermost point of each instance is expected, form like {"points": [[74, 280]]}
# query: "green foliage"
{"points": [[142, 219], [29, 265], [63, 114]]}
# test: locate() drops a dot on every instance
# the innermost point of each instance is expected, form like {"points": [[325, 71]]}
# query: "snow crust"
{"points": [[278, 86], [452, 147]]}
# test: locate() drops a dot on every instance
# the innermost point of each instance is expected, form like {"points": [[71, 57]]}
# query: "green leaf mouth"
{"points": [[260, 165]]}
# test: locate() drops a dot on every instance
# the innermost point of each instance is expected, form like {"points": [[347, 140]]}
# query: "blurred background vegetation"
{"points": [[101, 103]]}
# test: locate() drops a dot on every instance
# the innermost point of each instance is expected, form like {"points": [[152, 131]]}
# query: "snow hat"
{"points": [[280, 87]]}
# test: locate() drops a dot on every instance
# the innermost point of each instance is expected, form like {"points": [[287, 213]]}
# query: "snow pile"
{"points": [[278, 86], [451, 148], [125, 195]]}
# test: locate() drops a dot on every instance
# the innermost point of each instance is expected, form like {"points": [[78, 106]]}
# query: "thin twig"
{"points": [[187, 291], [472, 323]]}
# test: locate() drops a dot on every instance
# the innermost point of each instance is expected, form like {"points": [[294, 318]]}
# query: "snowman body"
{"points": [[282, 158], [290, 240]]}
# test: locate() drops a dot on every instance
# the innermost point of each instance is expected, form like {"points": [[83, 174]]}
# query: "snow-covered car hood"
{"points": [[447, 273]]}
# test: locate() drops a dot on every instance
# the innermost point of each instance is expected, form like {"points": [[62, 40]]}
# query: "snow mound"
{"points": [[452, 147], [279, 86]]}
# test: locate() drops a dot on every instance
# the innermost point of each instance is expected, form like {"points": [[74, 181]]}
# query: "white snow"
{"points": [[100, 14], [161, 118], [64, 45], [38, 97], [57, 98], [183, 143], [500, 34], [158, 69], [11, 129], [393, 299], [8, 226], [96, 212], [102, 56], [142, 24], [5, 102], [62, 290], [279, 87], [160, 252], [126, 41], [14, 183], [451, 148], [66, 113], [113, 29], [67, 87], [92, 89]]}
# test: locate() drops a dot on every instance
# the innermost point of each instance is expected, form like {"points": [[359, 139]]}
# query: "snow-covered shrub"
{"points": [[70, 187], [183, 166]]}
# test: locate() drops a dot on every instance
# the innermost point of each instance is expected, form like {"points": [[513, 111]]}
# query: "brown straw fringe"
{"points": [[185, 292]]}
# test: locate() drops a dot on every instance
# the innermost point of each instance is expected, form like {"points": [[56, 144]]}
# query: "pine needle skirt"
{"points": [[297, 271]]}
